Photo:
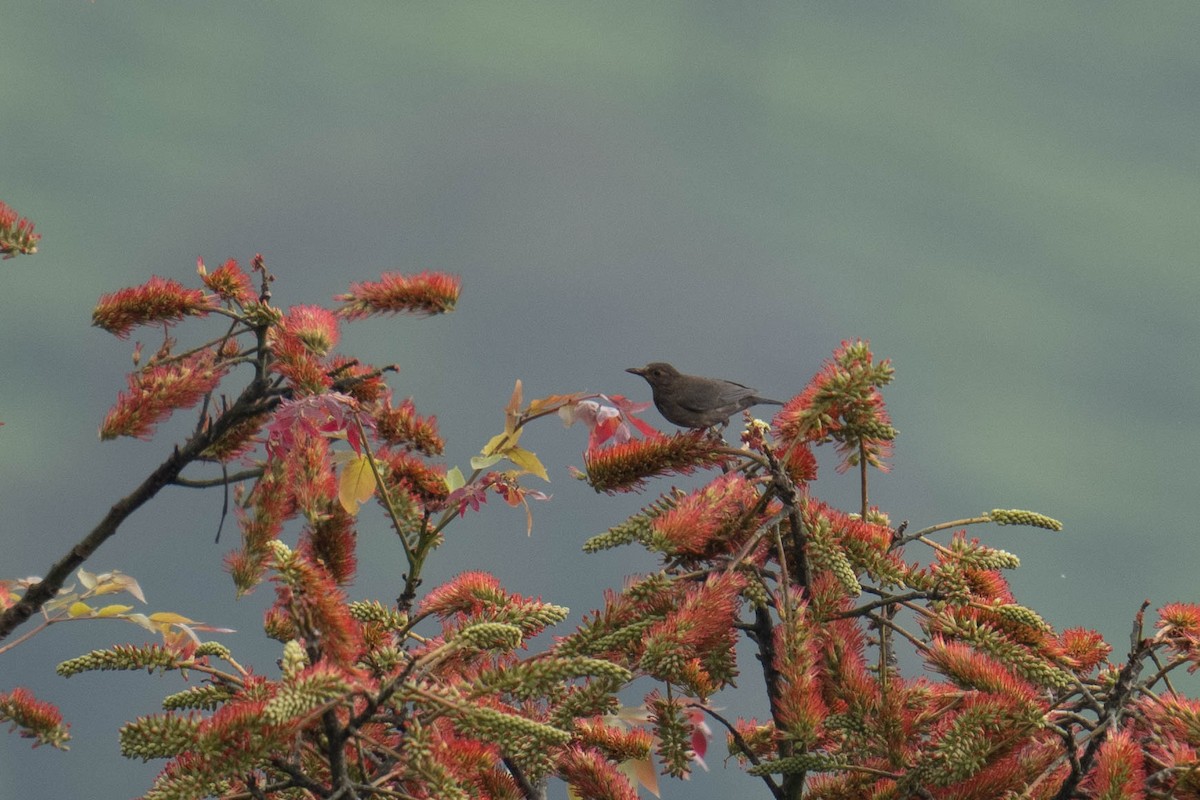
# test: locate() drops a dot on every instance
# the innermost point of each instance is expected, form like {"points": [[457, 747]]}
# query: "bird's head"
{"points": [[656, 373]]}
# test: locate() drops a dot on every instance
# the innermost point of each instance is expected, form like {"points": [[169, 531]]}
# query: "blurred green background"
{"points": [[1003, 198]]}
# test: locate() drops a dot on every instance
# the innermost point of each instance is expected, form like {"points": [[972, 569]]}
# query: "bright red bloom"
{"points": [[703, 522], [594, 777], [842, 404], [229, 282], [409, 473], [625, 467], [302, 368], [16, 234], [401, 425], [424, 293], [316, 327], [35, 719], [156, 391], [1120, 770], [361, 381], [1083, 649], [156, 300], [330, 541], [467, 593], [308, 595]]}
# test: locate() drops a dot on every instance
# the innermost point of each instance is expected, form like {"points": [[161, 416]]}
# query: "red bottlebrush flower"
{"points": [[330, 542], [229, 282], [1082, 649], [971, 669], [703, 522], [625, 467], [316, 605], [616, 743], [400, 425], [698, 635], [800, 463], [1180, 619], [1120, 770], [35, 719], [842, 404], [237, 441], [156, 391], [1179, 624], [302, 368], [422, 294], [467, 593], [593, 777], [16, 234], [409, 473], [800, 709], [309, 476], [361, 381], [315, 327], [156, 300]]}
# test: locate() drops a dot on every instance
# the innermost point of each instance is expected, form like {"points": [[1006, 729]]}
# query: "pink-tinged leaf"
{"points": [[357, 484], [643, 773], [512, 412]]}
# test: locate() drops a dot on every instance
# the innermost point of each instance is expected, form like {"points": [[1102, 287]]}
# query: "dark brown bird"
{"points": [[690, 401]]}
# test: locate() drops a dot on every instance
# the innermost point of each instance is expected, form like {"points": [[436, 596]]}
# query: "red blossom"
{"points": [[842, 404], [625, 467], [16, 234], [229, 282], [409, 473], [401, 425], [592, 776], [467, 593], [156, 391], [800, 708], [363, 382], [34, 718], [330, 541], [157, 300], [1120, 771], [308, 595], [704, 522], [618, 744], [424, 293], [1082, 649], [971, 669]]}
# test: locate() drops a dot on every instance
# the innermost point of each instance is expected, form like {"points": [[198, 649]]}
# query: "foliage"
{"points": [[437, 695]]}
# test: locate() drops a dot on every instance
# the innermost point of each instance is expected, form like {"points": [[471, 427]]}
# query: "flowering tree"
{"points": [[434, 694]]}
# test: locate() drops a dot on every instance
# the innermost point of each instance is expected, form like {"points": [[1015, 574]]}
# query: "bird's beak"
{"points": [[636, 370]]}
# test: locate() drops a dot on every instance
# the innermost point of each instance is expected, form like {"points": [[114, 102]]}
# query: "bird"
{"points": [[691, 401]]}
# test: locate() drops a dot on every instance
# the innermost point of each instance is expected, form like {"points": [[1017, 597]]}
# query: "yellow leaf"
{"points": [[113, 610], [357, 484], [168, 618], [80, 609], [500, 442], [483, 462], [114, 581], [455, 479], [527, 461]]}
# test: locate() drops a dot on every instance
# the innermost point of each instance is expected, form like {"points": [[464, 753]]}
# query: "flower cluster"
{"points": [[16, 234]]}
